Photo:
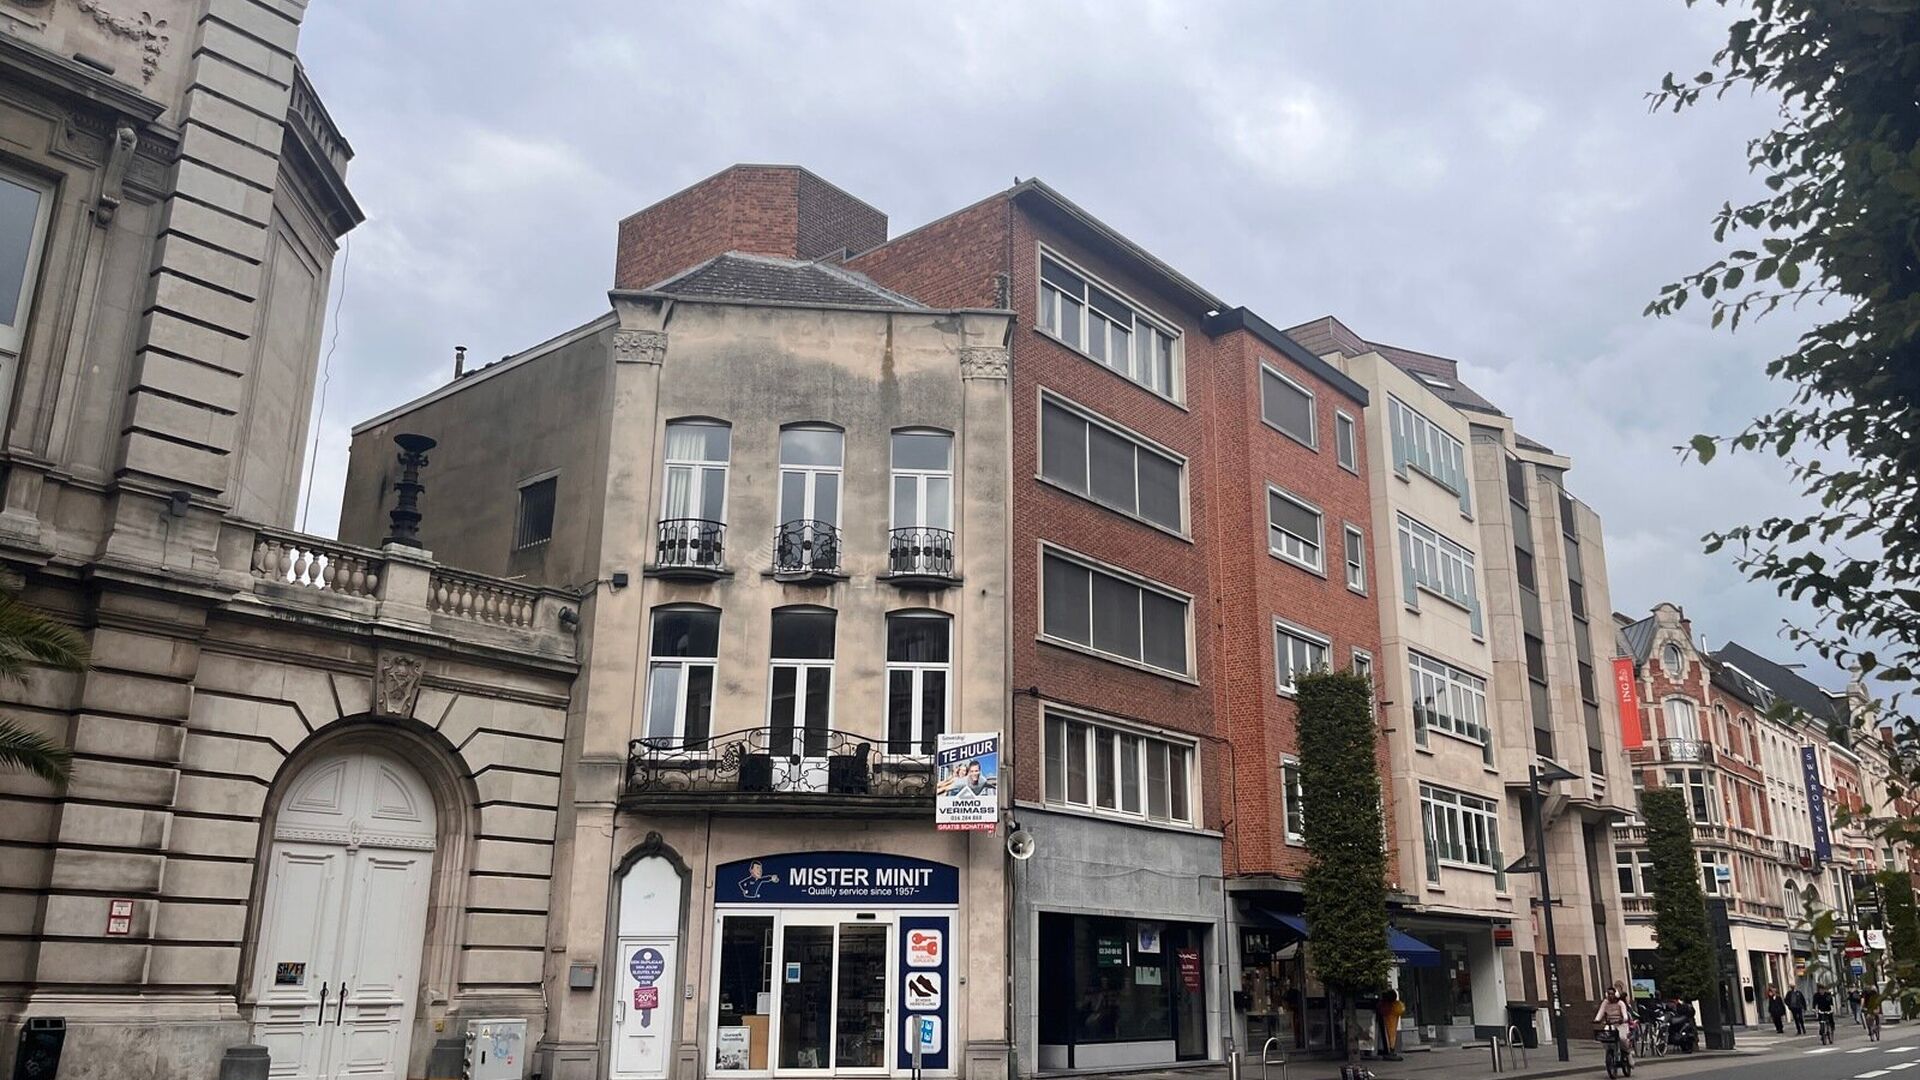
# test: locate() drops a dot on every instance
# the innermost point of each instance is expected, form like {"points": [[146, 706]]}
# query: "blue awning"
{"points": [[1412, 951], [1407, 949]]}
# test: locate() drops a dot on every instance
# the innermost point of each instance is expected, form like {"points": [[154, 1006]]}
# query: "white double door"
{"points": [[336, 971]]}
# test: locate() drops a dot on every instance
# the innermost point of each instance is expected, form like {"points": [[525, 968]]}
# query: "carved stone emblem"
{"points": [[398, 685], [639, 346], [983, 362], [150, 33]]}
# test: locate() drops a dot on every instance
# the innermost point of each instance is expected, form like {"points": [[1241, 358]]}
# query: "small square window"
{"points": [[536, 513]]}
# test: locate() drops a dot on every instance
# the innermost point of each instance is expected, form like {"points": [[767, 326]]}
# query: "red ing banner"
{"points": [[1629, 697]]}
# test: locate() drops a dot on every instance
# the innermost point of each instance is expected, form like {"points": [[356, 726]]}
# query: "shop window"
{"points": [[685, 645], [744, 991], [1111, 770], [800, 702], [919, 670], [1108, 981]]}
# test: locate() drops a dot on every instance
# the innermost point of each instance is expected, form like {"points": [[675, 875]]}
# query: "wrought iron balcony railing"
{"points": [[806, 547], [693, 545], [1684, 750], [777, 761], [921, 554]]}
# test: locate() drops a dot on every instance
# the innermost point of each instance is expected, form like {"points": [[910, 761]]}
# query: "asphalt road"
{"points": [[1852, 1057]]}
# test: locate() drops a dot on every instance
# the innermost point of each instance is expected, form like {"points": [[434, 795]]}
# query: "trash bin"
{"points": [[40, 1042], [1521, 1017]]}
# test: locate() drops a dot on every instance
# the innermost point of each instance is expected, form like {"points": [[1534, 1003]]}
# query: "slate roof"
{"points": [[1783, 681], [1635, 639], [1737, 682], [739, 276], [1327, 334]]}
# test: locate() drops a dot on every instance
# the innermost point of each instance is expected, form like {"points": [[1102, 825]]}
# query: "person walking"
{"points": [[1777, 1010], [1853, 1004], [1797, 1005]]}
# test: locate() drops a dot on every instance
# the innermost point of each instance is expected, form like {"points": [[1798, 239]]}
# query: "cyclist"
{"points": [[1870, 1007], [1614, 1015], [1823, 1007]]}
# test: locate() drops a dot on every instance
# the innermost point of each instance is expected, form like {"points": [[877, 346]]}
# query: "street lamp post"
{"points": [[1538, 774]]}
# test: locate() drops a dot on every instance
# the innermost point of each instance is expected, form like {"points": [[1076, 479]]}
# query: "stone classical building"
{"points": [[783, 491], [314, 794]]}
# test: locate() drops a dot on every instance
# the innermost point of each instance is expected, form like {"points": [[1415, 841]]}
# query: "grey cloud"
{"points": [[1478, 180]]}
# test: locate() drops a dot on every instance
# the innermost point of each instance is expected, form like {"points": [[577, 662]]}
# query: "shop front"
{"points": [[1456, 990], [831, 963], [1115, 989], [1280, 996]]}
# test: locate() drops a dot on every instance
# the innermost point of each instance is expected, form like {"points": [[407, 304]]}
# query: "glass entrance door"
{"points": [[833, 996]]}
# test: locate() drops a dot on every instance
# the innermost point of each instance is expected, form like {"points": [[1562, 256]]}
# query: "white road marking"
{"points": [[1862, 1050], [1871, 1075], [1902, 1049], [1902, 1065], [1823, 1050]]}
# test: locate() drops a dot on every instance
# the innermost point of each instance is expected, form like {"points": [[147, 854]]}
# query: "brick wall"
{"points": [[952, 262], [760, 209], [1254, 587]]}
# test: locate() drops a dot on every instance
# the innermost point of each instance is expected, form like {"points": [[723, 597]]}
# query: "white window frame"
{"points": [[1302, 635], [1428, 449], [1047, 316], [809, 507], [1708, 788], [1673, 660], [1460, 691], [1638, 864], [1346, 441], [1458, 824], [916, 671], [520, 542], [1143, 743], [1353, 554], [1141, 444], [1307, 554], [1683, 722], [1312, 441], [1363, 665], [805, 669], [1293, 801], [697, 469], [1709, 881], [1431, 560], [921, 480], [13, 332], [1095, 566], [684, 665]]}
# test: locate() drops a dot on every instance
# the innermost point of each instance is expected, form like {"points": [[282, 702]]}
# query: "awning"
{"points": [[1413, 952], [1407, 949]]}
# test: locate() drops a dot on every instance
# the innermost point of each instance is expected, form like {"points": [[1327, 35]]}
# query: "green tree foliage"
{"points": [[29, 638], [1346, 882], [1836, 230], [1685, 964], [1901, 964]]}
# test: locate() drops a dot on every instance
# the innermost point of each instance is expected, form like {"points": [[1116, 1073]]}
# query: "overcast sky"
{"points": [[1479, 180]]}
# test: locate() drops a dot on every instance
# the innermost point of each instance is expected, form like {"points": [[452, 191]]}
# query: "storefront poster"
{"points": [[1146, 976], [924, 938], [1149, 938], [733, 1045], [966, 770], [1189, 964], [1110, 952], [646, 966], [836, 877]]}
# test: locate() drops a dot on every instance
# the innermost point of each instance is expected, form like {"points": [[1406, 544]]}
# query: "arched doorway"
{"points": [[336, 970]]}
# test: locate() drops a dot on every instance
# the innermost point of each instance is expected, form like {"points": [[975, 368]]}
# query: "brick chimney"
{"points": [[779, 210]]}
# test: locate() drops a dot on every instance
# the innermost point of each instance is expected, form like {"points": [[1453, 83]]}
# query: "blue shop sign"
{"points": [[836, 877]]}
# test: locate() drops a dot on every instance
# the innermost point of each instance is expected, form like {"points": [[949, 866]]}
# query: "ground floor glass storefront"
{"points": [[1117, 989]]}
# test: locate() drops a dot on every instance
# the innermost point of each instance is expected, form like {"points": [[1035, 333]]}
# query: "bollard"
{"points": [[1233, 1065], [245, 1062], [1493, 1047]]}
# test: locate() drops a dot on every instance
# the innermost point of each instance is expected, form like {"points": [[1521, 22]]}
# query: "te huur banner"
{"points": [[966, 769]]}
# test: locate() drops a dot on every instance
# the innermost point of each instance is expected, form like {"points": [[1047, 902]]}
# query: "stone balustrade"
{"points": [[311, 563], [482, 599]]}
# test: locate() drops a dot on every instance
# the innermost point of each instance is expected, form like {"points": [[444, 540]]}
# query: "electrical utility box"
{"points": [[497, 1050]]}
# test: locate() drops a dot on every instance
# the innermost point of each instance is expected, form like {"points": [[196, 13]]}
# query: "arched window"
{"points": [[1683, 722], [696, 460], [1671, 659]]}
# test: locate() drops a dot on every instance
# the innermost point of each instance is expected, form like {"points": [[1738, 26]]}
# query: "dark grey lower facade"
{"points": [[1118, 945]]}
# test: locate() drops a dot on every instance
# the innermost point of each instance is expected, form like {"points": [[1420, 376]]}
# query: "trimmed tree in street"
{"points": [[1685, 962], [1346, 881], [1901, 965]]}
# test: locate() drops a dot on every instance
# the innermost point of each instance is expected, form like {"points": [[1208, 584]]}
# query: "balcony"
{"points": [[807, 552], [690, 549], [1687, 751], [921, 559], [831, 771]]}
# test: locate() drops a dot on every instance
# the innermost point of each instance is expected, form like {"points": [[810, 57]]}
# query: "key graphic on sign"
{"points": [[647, 967]]}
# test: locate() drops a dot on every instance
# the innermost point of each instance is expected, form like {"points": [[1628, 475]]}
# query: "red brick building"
{"points": [[1263, 439]]}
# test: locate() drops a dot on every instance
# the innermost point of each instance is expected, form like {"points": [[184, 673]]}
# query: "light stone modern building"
{"points": [[314, 795], [783, 491], [1490, 667]]}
